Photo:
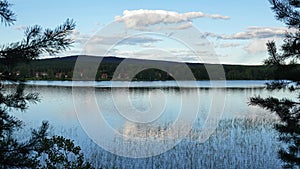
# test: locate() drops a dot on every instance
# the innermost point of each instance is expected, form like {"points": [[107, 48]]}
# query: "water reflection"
{"points": [[244, 137]]}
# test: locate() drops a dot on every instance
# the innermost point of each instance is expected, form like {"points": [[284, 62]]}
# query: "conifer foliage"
{"points": [[286, 11], [40, 150]]}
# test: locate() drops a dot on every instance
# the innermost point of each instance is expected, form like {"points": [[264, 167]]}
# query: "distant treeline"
{"points": [[63, 69]]}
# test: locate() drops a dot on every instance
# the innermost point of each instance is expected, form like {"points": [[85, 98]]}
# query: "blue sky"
{"points": [[237, 30]]}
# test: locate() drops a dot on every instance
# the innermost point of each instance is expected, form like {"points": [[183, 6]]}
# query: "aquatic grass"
{"points": [[237, 143]]}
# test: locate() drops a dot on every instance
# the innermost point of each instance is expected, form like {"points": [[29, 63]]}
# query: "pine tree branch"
{"points": [[37, 42], [6, 15], [285, 13]]}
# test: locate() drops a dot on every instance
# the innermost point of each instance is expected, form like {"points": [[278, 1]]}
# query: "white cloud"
{"points": [[182, 26], [259, 45], [20, 27], [256, 46], [251, 33], [79, 38], [148, 45], [229, 45], [110, 40], [139, 19], [177, 55], [140, 40], [254, 37], [98, 23]]}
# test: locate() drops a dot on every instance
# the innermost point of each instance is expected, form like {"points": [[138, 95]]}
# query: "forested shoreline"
{"points": [[62, 69]]}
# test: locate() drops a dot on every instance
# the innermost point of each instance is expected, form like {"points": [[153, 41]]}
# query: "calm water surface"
{"points": [[244, 137]]}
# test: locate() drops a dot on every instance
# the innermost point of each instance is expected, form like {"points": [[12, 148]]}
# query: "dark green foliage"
{"points": [[6, 15], [275, 58], [58, 152], [288, 110], [152, 75], [40, 150], [36, 42], [15, 154], [18, 99], [65, 66]]}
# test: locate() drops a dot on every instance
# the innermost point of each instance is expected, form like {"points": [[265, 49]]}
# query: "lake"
{"points": [[156, 125]]}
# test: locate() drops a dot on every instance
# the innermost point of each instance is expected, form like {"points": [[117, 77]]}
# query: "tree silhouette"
{"points": [[40, 150], [288, 110], [7, 16]]}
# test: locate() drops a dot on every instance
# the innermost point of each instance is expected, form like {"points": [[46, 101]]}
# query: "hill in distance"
{"points": [[62, 68]]}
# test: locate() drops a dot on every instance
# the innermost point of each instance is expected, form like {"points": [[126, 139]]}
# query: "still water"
{"points": [[159, 126]]}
